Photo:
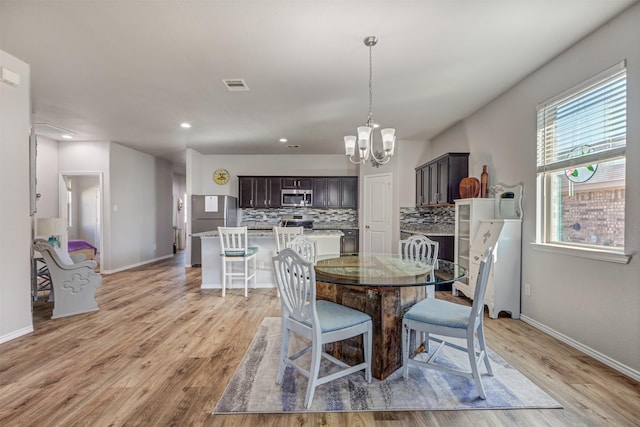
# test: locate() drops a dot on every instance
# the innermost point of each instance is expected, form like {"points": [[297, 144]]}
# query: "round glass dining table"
{"points": [[386, 270], [384, 286]]}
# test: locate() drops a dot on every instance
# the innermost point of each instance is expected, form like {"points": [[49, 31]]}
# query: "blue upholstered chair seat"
{"points": [[250, 251], [441, 313], [334, 316]]}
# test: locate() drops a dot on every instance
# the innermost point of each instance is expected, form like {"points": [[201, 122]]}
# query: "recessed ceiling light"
{"points": [[185, 125], [283, 139], [66, 136]]}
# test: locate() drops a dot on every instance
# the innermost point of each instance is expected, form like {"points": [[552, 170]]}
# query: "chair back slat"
{"points": [[233, 239], [306, 247], [296, 280], [284, 235], [419, 248]]}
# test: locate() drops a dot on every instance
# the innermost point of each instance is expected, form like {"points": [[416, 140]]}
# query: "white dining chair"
{"points": [[420, 248], [306, 247], [321, 322], [234, 249], [448, 319], [284, 235]]}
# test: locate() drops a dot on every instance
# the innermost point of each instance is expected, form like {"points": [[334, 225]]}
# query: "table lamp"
{"points": [[52, 227]]}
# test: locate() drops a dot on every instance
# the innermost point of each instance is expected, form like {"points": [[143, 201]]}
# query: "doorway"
{"points": [[377, 214], [80, 205]]}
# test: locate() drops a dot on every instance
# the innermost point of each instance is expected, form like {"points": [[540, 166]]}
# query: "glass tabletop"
{"points": [[386, 270]]}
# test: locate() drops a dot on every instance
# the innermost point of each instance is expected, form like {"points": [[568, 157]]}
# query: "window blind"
{"points": [[584, 125]]}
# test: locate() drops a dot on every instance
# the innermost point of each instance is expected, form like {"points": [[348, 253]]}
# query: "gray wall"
{"points": [[137, 200], [594, 305], [15, 269]]}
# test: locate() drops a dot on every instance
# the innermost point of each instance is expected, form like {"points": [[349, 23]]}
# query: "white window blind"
{"points": [[584, 125]]}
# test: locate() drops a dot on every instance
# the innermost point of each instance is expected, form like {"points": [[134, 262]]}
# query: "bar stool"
{"points": [[234, 249]]}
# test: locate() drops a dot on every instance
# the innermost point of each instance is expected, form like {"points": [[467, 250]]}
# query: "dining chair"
{"points": [[321, 322], [235, 249], [420, 248], [448, 319], [284, 235], [306, 247]]}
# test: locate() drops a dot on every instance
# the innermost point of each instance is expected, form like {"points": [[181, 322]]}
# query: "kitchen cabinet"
{"points": [[438, 181], [335, 192], [349, 243], [297, 183], [259, 192]]}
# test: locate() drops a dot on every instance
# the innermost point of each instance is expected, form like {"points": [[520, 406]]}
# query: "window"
{"points": [[581, 140]]}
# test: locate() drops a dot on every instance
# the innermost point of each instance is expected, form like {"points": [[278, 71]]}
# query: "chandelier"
{"points": [[365, 133]]}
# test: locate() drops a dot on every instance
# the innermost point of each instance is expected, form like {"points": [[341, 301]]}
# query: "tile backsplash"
{"points": [[324, 218], [440, 216]]}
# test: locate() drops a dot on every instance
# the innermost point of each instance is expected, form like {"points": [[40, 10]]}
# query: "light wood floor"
{"points": [[160, 352]]}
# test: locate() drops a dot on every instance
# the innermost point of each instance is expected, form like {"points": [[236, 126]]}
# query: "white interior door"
{"points": [[377, 213]]}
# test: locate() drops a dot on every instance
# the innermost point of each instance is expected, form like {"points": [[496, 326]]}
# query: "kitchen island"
{"points": [[328, 242]]}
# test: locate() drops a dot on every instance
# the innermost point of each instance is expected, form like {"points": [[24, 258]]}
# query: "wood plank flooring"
{"points": [[160, 352]]}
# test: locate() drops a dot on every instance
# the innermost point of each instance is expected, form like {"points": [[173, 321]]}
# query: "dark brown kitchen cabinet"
{"points": [[349, 192], [349, 242], [297, 183], [319, 192], [335, 192], [259, 192], [438, 181]]}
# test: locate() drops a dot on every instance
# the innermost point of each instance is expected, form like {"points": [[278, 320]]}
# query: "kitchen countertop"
{"points": [[428, 229], [318, 225], [269, 233]]}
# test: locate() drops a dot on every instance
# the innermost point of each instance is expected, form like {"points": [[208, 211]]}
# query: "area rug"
{"points": [[253, 387]]}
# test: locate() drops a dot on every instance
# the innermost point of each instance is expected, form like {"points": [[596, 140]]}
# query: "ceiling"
{"points": [[132, 71]]}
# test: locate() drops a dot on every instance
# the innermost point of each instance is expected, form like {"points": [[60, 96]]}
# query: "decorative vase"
{"points": [[484, 180]]}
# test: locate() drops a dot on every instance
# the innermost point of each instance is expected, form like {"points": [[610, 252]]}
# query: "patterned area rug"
{"points": [[253, 388]]}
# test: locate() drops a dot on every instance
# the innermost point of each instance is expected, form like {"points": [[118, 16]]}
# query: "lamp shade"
{"points": [[388, 139], [46, 227], [350, 145]]}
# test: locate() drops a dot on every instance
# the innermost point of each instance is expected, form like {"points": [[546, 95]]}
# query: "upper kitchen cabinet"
{"points": [[297, 183], [259, 192], [438, 181], [335, 192]]}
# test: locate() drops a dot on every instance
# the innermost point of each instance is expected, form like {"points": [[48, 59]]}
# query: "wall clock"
{"points": [[221, 176]]}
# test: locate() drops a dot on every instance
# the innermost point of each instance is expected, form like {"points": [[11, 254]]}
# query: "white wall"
{"points": [[238, 165], [47, 178], [594, 305], [15, 250], [140, 208], [137, 200]]}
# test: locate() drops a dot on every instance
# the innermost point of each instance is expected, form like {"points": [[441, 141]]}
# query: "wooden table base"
{"points": [[386, 306]]}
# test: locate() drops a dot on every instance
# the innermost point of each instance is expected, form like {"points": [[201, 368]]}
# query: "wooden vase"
{"points": [[484, 181]]}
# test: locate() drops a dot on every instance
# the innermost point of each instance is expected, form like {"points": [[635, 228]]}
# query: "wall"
{"points": [[140, 208], [593, 305], [137, 200], [15, 251], [47, 178]]}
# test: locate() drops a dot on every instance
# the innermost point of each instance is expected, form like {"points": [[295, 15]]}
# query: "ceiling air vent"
{"points": [[235, 84]]}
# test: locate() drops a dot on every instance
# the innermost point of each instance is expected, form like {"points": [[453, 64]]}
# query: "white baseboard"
{"points": [[116, 270], [16, 334], [624, 369]]}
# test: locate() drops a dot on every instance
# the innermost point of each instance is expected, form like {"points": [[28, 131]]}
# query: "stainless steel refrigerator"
{"points": [[207, 214]]}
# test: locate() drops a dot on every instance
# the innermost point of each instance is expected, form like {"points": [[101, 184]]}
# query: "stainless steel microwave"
{"points": [[297, 197]]}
